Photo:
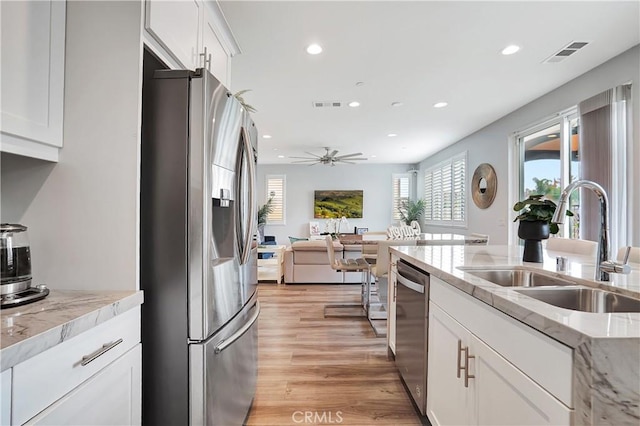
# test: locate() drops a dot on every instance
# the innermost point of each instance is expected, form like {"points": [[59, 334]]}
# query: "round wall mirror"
{"points": [[484, 185]]}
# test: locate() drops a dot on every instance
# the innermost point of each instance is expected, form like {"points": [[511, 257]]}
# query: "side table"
{"points": [[271, 269]]}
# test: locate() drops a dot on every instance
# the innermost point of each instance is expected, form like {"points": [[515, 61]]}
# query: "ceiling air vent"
{"points": [[327, 104], [566, 51]]}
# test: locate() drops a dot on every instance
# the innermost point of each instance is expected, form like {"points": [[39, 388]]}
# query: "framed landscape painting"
{"points": [[336, 204]]}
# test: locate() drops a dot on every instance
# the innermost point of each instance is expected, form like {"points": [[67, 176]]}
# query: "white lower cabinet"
{"points": [[92, 378], [5, 397], [469, 383]]}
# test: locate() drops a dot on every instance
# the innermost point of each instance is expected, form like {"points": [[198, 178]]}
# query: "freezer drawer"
{"points": [[412, 298], [223, 371]]}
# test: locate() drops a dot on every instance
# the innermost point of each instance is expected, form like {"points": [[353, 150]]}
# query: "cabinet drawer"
{"points": [[43, 379], [529, 350]]}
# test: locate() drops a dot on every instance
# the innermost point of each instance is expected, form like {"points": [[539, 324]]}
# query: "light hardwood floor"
{"points": [[316, 370]]}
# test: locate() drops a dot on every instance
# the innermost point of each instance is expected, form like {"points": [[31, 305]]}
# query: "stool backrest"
{"points": [[331, 252]]}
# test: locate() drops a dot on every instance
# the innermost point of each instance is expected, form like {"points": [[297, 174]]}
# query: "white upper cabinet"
{"points": [[218, 62], [180, 32], [32, 58], [176, 25]]}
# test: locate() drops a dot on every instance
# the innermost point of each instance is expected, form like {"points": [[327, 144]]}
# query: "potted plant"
{"points": [[263, 213], [535, 224], [411, 210]]}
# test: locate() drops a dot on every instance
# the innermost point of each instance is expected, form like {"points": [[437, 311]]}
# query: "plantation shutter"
{"points": [[401, 188], [276, 191], [458, 188], [445, 192]]}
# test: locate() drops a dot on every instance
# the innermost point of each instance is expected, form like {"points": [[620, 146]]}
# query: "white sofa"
{"points": [[308, 262]]}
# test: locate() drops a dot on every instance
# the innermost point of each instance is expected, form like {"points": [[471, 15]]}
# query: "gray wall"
{"points": [[302, 180], [82, 212], [492, 145]]}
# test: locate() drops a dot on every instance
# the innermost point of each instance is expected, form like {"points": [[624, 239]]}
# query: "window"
{"points": [[549, 161], [401, 187], [445, 192], [276, 189]]}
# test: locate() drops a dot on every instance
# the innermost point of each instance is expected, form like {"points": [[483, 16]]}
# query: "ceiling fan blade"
{"points": [[313, 155], [351, 159], [350, 155], [333, 154], [307, 158], [306, 161]]}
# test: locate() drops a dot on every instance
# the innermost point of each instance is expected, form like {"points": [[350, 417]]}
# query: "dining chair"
{"points": [[634, 254], [574, 246]]}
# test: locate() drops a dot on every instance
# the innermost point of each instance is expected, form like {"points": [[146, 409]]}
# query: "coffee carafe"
{"points": [[15, 267]]}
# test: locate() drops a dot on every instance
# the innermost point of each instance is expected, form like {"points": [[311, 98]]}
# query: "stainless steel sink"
{"points": [[518, 278], [583, 299]]}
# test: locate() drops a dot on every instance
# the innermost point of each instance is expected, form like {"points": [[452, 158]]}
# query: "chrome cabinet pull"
{"points": [[104, 349], [460, 367], [467, 376]]}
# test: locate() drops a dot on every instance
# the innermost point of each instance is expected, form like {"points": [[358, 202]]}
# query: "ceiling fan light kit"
{"points": [[330, 158]]}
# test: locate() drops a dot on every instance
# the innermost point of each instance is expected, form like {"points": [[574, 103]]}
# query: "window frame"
{"points": [[395, 215], [283, 178], [563, 119], [465, 193]]}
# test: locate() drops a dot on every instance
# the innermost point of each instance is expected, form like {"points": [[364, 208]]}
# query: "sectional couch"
{"points": [[308, 262]]}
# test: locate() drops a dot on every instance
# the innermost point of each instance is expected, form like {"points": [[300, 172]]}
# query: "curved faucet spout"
{"points": [[603, 240]]}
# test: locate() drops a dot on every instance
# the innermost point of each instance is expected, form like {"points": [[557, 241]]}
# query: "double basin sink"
{"points": [[559, 292]]}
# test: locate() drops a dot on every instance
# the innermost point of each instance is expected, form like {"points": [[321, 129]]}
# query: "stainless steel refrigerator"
{"points": [[198, 266]]}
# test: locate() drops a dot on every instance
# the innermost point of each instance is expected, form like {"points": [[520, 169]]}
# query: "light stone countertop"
{"points": [[606, 346], [567, 326], [35, 327]]}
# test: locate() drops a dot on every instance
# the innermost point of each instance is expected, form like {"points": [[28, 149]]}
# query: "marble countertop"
{"points": [[423, 239], [567, 326], [33, 328]]}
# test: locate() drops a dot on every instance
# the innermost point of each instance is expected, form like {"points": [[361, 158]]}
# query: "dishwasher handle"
{"points": [[410, 284]]}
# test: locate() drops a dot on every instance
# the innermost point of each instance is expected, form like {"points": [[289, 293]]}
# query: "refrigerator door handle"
{"points": [[241, 331], [248, 236]]}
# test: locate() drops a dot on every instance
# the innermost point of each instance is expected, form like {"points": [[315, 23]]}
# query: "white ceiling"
{"points": [[417, 53]]}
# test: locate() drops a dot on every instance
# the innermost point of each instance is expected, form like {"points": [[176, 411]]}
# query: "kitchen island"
{"points": [[599, 352]]}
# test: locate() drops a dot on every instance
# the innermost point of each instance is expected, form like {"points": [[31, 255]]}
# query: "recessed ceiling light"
{"points": [[392, 135], [360, 83], [440, 105], [510, 50], [314, 49], [552, 136], [275, 149], [373, 156], [354, 104], [280, 156], [396, 104], [266, 136]]}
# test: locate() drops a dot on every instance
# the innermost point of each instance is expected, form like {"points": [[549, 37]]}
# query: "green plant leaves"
{"points": [[534, 208]]}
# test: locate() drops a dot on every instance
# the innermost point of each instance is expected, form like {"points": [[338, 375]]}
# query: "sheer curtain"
{"points": [[604, 134]]}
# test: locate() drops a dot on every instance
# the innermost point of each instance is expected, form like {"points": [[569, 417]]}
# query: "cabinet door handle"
{"points": [[467, 376], [206, 63], [460, 367], [104, 349]]}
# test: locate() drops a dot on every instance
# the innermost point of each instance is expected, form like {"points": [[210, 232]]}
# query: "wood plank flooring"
{"points": [[316, 370]]}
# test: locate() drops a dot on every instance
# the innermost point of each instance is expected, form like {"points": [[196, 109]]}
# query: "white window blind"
{"points": [[401, 187], [445, 192], [276, 185]]}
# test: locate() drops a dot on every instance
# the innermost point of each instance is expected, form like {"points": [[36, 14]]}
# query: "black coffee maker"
{"points": [[15, 268]]}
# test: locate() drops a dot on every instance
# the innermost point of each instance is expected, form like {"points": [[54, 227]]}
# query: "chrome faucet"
{"points": [[602, 274]]}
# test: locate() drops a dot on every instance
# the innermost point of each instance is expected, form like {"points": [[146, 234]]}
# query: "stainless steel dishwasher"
{"points": [[412, 313]]}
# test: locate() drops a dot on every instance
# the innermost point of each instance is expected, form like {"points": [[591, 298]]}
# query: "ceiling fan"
{"points": [[329, 158]]}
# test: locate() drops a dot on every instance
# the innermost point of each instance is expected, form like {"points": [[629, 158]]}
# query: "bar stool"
{"points": [[351, 265]]}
